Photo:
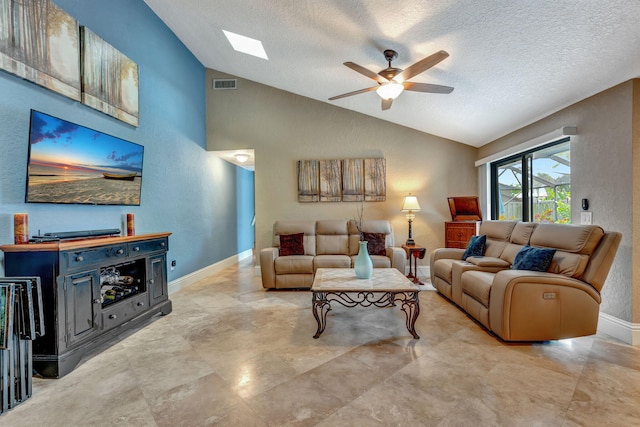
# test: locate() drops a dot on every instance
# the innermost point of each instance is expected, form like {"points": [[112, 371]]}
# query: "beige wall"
{"points": [[602, 166], [283, 128]]}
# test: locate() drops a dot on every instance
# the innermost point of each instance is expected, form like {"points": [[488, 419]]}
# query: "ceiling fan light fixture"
{"points": [[390, 90], [393, 81]]}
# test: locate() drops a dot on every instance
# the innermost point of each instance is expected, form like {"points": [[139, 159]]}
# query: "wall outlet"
{"points": [[173, 264], [585, 218]]}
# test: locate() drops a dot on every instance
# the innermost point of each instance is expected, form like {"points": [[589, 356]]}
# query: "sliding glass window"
{"points": [[534, 185]]}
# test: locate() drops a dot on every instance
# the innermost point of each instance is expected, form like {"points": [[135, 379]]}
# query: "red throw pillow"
{"points": [[291, 244], [376, 243]]}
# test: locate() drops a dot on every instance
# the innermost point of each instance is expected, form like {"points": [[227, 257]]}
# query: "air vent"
{"points": [[223, 84]]}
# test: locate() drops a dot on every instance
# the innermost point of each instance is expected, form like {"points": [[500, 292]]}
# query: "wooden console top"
{"points": [[64, 245]]}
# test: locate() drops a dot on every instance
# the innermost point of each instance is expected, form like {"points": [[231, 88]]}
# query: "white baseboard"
{"points": [[626, 332], [191, 278], [423, 270]]}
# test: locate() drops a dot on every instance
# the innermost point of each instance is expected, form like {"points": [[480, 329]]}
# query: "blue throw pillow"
{"points": [[533, 259], [476, 247]]}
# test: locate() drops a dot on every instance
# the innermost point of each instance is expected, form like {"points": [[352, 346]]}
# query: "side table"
{"points": [[414, 252]]}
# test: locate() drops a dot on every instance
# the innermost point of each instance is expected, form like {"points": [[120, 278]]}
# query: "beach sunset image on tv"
{"points": [[69, 163]]}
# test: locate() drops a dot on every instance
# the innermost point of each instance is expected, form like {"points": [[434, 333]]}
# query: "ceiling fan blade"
{"points": [[421, 66], [386, 104], [426, 87], [366, 72], [355, 92]]}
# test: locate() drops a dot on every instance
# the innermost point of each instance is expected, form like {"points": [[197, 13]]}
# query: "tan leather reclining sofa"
{"points": [[521, 305], [327, 244]]}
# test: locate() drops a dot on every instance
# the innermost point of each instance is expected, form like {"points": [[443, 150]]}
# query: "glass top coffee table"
{"points": [[385, 287]]}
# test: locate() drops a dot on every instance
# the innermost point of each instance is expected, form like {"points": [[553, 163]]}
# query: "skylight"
{"points": [[246, 44]]}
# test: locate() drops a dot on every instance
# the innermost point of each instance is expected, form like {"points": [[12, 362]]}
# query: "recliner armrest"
{"points": [[398, 258], [488, 261], [533, 305], [484, 264], [448, 253], [443, 253], [267, 266], [505, 281]]}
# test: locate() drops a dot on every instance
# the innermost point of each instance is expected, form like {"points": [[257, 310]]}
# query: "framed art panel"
{"points": [[25, 316], [38, 310], [40, 42], [375, 184], [330, 180], [109, 79], [352, 180], [6, 314], [308, 181]]}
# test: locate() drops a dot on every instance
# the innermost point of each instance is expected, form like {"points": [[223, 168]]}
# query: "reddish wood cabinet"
{"points": [[466, 217], [458, 233]]}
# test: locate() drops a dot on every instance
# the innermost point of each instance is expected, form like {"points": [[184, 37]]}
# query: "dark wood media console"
{"points": [[93, 290]]}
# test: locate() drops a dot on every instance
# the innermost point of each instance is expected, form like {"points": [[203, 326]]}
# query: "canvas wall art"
{"points": [[352, 180], [375, 186], [330, 180], [6, 314], [348, 180], [308, 180], [24, 305], [109, 79], [40, 42]]}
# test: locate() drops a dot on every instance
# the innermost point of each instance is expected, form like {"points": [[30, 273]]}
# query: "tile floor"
{"points": [[233, 354]]}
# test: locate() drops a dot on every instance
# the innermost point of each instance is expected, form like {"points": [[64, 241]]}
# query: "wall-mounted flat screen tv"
{"points": [[69, 163]]}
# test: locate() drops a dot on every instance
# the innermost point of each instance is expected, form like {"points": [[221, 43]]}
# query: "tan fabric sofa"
{"points": [[521, 305], [327, 244]]}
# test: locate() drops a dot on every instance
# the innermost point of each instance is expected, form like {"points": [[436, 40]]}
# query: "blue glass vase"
{"points": [[363, 264]]}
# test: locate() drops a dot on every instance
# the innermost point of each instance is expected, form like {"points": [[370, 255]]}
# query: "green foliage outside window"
{"points": [[561, 197]]}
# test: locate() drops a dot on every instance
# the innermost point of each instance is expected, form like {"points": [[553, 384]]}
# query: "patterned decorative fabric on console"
{"points": [[375, 243], [291, 244], [476, 246], [533, 259]]}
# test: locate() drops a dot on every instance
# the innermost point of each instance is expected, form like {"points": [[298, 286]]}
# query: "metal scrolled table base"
{"points": [[410, 305]]}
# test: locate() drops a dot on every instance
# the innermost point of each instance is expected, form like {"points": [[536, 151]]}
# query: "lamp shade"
{"points": [[390, 90], [410, 203]]}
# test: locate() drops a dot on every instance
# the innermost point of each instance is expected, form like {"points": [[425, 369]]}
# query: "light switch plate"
{"points": [[585, 218]]}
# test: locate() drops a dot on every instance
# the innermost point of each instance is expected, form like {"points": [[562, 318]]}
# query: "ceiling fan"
{"points": [[393, 81]]}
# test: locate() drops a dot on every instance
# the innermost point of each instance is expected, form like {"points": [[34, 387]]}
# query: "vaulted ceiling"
{"points": [[511, 62]]}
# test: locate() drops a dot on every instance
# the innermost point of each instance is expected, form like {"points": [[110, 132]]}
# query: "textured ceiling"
{"points": [[511, 62]]}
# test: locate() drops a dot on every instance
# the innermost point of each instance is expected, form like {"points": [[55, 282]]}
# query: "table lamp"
{"points": [[409, 205]]}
